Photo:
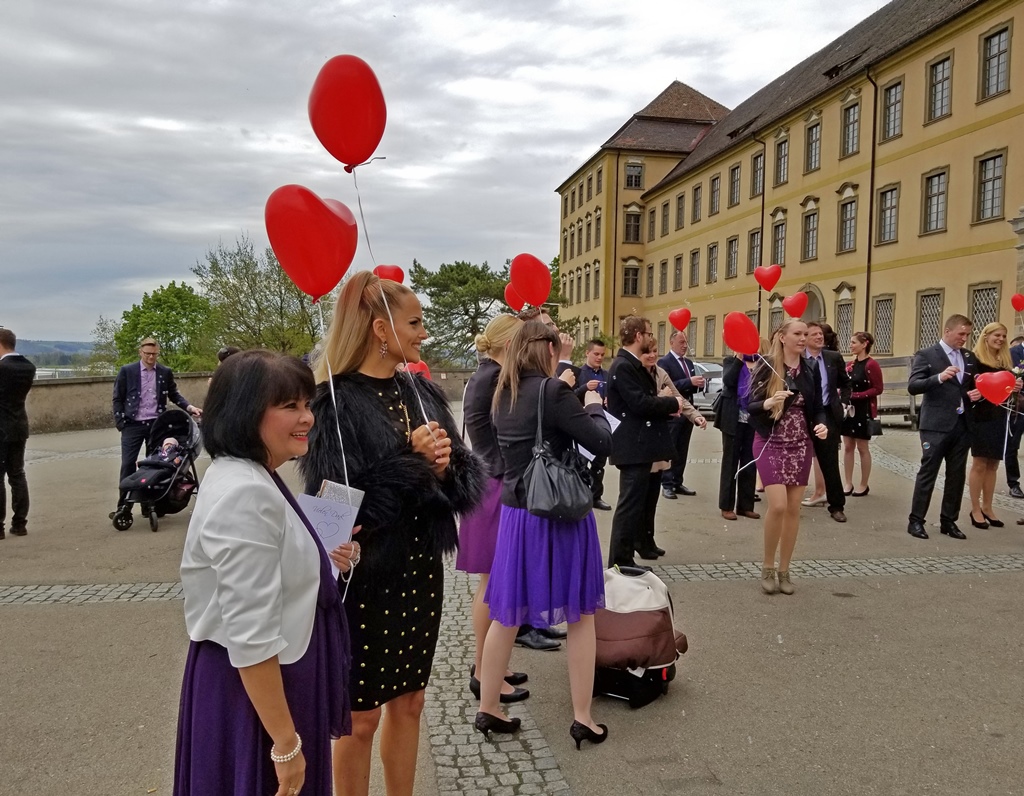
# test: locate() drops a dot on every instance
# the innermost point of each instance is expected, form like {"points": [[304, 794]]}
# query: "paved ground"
{"points": [[895, 669]]}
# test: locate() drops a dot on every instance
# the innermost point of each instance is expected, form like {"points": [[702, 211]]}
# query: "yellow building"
{"points": [[880, 173]]}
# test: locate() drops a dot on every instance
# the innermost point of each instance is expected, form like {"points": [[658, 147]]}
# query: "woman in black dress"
{"points": [[989, 429], [866, 385], [401, 448]]}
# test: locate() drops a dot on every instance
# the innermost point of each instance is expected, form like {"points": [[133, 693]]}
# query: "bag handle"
{"points": [[539, 439]]}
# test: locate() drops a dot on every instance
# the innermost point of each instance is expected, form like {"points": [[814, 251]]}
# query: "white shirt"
{"points": [[250, 571], [956, 358]]}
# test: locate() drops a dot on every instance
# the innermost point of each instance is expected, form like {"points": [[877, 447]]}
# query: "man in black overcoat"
{"points": [[16, 376]]}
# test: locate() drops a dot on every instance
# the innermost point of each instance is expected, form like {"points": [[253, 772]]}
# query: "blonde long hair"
{"points": [[350, 338], [497, 334], [528, 350], [776, 358], [984, 352]]}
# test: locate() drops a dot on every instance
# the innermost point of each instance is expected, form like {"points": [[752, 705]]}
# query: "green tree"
{"points": [[255, 304], [462, 298], [178, 317]]}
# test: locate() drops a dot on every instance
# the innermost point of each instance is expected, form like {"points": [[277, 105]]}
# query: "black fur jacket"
{"points": [[404, 499]]}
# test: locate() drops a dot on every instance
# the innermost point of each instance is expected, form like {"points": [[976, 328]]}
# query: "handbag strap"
{"points": [[539, 439]]}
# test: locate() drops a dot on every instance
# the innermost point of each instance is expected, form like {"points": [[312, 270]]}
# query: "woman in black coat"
{"points": [[402, 450], [738, 476]]}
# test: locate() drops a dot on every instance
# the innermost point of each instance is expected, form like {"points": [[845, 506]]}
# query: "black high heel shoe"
{"points": [[975, 523], [516, 678], [992, 522], [517, 695], [486, 723], [581, 732]]}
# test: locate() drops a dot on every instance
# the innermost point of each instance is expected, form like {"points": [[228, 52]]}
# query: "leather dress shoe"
{"points": [[668, 494], [600, 505], [2, 534], [750, 515], [838, 516], [19, 532], [1015, 491], [950, 529], [556, 633], [916, 529], [682, 489], [729, 515], [535, 641]]}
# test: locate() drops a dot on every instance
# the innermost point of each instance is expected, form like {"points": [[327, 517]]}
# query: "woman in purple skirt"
{"points": [[545, 571], [264, 690], [785, 409], [478, 530]]}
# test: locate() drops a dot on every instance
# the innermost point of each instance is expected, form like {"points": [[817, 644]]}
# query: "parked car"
{"points": [[712, 373]]}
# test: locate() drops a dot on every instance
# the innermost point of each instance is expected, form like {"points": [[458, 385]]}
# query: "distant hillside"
{"points": [[55, 353]]}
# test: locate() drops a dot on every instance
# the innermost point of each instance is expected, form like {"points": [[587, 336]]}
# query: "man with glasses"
{"points": [[641, 438], [141, 390]]}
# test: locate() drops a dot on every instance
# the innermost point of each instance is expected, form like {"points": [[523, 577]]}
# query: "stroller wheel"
{"points": [[154, 522], [123, 519]]}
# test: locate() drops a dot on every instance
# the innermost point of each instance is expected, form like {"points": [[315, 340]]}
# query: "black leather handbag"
{"points": [[556, 488]]}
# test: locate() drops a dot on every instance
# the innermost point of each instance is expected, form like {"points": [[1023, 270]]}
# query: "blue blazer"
{"points": [[128, 392]]}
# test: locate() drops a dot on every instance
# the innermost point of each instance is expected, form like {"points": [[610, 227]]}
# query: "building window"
{"points": [[572, 284], [650, 279], [695, 268], [634, 175], [664, 219], [779, 243], [597, 231], [732, 257], [680, 210], [892, 111], [716, 195], [572, 204], [691, 334], [663, 277], [661, 336], [586, 284], [579, 285], [709, 336], [565, 247], [888, 214], [597, 279], [988, 203], [589, 226], [632, 228], [782, 162], [713, 262], [754, 254], [844, 324], [652, 215], [677, 273], [563, 285], [851, 130], [775, 318], [929, 318], [757, 174], [984, 308], [940, 88], [809, 242], [933, 216], [600, 179], [572, 243], [631, 281], [995, 63], [847, 226], [884, 325], [590, 187], [696, 206], [812, 161], [734, 185], [586, 329], [565, 206]]}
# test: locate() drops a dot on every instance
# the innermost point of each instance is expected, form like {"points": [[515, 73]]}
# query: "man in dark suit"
{"points": [[16, 375], [141, 390], [835, 392], [592, 377], [688, 381], [641, 438], [943, 375], [1016, 427]]}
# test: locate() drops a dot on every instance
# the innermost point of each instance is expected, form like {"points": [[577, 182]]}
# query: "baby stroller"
{"points": [[163, 485]]}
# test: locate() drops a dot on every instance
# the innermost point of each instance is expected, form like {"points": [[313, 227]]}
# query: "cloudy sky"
{"points": [[137, 134]]}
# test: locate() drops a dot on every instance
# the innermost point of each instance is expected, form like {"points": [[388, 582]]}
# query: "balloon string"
{"points": [[334, 401]]}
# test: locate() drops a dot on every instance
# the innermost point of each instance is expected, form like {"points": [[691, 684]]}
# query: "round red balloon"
{"points": [[795, 305], [513, 299], [995, 387], [346, 109], [392, 272], [314, 239], [530, 278], [680, 319], [1017, 300], [740, 334], [768, 276]]}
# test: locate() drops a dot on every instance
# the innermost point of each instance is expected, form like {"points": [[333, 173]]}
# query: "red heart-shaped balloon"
{"points": [[768, 276], [680, 319], [392, 272], [795, 305], [740, 334], [530, 278], [513, 299], [995, 387], [314, 239], [1017, 300], [346, 109]]}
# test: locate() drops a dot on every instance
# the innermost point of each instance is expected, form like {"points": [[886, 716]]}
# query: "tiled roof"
{"points": [[680, 101], [888, 30], [657, 135]]}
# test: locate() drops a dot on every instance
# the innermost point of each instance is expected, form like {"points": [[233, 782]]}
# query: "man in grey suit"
{"points": [[943, 375]]}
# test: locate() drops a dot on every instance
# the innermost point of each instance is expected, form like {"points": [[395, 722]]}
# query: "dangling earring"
{"points": [[383, 348]]}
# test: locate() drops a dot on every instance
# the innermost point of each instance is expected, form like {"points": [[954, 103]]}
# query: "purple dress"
{"points": [[785, 456], [222, 748]]}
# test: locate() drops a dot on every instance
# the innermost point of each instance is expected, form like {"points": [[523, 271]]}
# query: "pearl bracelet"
{"points": [[276, 758]]}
